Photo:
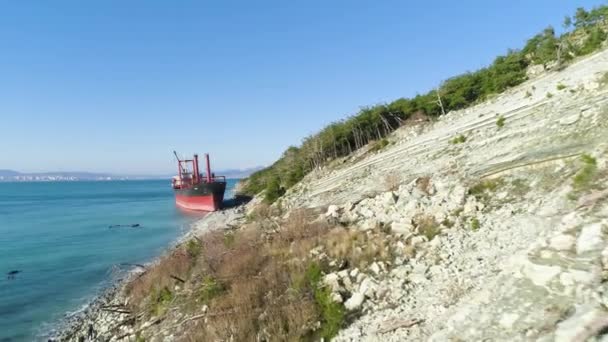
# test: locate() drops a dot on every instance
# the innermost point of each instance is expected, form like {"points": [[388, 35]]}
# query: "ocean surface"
{"points": [[57, 235]]}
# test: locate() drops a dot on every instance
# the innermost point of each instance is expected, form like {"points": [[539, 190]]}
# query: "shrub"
{"points": [[332, 313], [458, 139], [424, 184], [500, 122], [160, 299], [475, 225], [549, 95], [193, 248], [273, 190], [427, 226], [560, 86], [210, 288], [378, 145], [585, 176], [483, 189]]}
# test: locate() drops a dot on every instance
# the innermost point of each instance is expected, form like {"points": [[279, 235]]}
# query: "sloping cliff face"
{"points": [[489, 223], [501, 215]]}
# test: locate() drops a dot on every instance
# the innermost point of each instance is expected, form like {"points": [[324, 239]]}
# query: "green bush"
{"points": [[560, 86], [332, 313], [274, 190], [585, 176], [500, 122], [210, 288], [458, 140], [193, 248], [475, 225], [160, 299]]}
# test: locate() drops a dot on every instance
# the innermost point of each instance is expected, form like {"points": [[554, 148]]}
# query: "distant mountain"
{"points": [[8, 173]]}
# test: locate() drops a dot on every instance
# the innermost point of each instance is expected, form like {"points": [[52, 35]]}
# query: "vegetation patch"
{"points": [[475, 225], [560, 86], [485, 189], [427, 226], [585, 176], [458, 139], [379, 145], [193, 248], [209, 289], [160, 300], [549, 95], [500, 122], [392, 180]]}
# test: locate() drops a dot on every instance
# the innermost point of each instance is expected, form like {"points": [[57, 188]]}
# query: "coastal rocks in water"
{"points": [[133, 225], [12, 274]]}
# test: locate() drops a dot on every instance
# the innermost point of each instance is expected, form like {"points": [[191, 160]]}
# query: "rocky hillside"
{"points": [[501, 212], [487, 224]]}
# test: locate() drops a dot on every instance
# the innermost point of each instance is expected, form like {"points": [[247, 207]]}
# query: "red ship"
{"points": [[194, 191]]}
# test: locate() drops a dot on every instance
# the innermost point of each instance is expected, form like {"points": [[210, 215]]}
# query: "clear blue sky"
{"points": [[116, 85]]}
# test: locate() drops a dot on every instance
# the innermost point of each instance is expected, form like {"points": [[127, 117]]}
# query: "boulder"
{"points": [[401, 228], [562, 242], [388, 198], [590, 238], [354, 302], [333, 211]]}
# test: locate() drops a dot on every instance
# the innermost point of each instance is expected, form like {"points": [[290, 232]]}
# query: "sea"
{"points": [[57, 236]]}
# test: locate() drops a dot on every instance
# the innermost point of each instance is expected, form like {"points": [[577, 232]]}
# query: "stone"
{"points": [[336, 297], [375, 268], [507, 320], [388, 198], [590, 238], [418, 240], [569, 120], [470, 206], [366, 212], [540, 275], [368, 225], [562, 242], [368, 287], [457, 195], [569, 329], [332, 211], [332, 280], [401, 228], [354, 302]]}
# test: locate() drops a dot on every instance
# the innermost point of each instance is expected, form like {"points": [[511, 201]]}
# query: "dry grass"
{"points": [[424, 184], [426, 225], [261, 286], [392, 181]]}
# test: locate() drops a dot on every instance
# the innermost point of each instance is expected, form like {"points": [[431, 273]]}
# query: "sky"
{"points": [[116, 86]]}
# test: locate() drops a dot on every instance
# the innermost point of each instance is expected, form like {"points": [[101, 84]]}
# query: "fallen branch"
{"points": [[122, 311], [177, 278], [397, 323]]}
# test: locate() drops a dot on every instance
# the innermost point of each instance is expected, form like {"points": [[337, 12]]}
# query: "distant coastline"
{"points": [[72, 176]]}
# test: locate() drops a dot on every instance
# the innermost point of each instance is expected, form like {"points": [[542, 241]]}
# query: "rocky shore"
{"points": [[107, 313]]}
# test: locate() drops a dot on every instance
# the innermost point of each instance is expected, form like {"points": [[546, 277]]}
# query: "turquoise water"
{"points": [[58, 236]]}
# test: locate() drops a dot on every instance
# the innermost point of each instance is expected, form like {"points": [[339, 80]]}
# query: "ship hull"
{"points": [[201, 197]]}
